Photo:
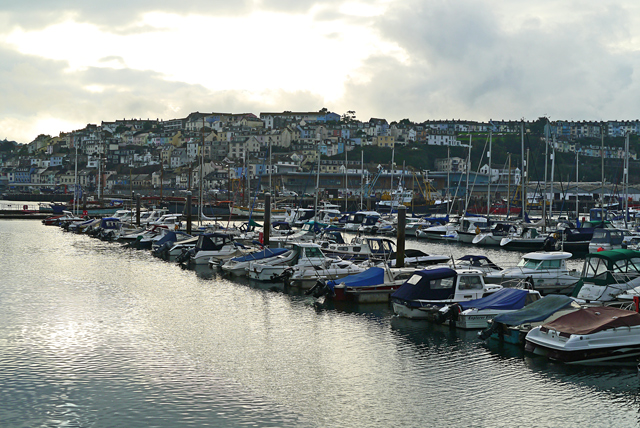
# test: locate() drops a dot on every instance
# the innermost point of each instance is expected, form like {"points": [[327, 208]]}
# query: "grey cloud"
{"points": [[33, 87], [467, 61]]}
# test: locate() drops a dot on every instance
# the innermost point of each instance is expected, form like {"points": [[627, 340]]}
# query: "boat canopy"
{"points": [[428, 284], [479, 261], [110, 223], [593, 319], [505, 299], [259, 255], [537, 311], [547, 255], [371, 276], [607, 236]]}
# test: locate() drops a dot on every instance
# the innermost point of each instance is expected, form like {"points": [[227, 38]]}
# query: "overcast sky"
{"points": [[66, 63]]}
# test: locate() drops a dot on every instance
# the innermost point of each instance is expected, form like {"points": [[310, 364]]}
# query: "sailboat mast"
{"points": [[346, 179], [602, 167], [448, 177], [270, 166], [315, 213], [75, 186], [553, 169], [577, 181], [361, 177], [509, 188], [546, 160], [626, 178], [201, 185], [489, 176], [522, 178]]}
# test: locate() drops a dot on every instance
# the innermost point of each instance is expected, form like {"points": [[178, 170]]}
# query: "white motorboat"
{"points": [[608, 276], [427, 291], [239, 266], [306, 254], [354, 221], [547, 272], [216, 246], [494, 237], [593, 335], [332, 269]]}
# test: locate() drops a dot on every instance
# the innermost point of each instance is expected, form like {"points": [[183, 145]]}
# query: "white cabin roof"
{"points": [[547, 255]]}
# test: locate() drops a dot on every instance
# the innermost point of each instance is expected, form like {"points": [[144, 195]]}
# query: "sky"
{"points": [[67, 63]]}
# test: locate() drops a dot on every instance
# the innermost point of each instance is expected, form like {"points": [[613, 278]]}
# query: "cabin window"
{"points": [[414, 279], [528, 263], [470, 283], [313, 252], [442, 284], [550, 264], [594, 267]]}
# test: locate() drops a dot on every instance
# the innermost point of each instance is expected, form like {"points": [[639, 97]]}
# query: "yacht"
{"points": [[545, 271]]}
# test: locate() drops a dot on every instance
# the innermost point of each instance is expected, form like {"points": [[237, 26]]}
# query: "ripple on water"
{"points": [[95, 334]]}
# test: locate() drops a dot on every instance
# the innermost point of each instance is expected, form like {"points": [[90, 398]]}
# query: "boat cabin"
{"points": [[607, 273], [606, 239], [440, 285]]}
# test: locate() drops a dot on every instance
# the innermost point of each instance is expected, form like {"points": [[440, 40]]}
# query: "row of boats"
{"points": [[589, 322]]}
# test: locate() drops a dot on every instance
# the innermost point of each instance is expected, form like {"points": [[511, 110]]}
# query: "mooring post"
{"points": [[188, 209], [138, 209], [267, 219], [402, 220]]}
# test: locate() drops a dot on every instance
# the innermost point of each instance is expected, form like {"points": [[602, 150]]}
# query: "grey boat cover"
{"points": [[536, 311]]}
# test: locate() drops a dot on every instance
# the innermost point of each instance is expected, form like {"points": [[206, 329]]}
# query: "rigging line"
{"points": [[477, 170]]}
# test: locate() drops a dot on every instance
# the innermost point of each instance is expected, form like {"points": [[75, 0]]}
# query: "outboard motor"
{"points": [[549, 243], [185, 256], [487, 332], [320, 289], [449, 312]]}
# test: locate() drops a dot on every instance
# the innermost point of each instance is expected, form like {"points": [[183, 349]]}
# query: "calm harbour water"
{"points": [[92, 334]]}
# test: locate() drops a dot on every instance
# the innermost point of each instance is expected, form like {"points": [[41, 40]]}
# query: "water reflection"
{"points": [[96, 334]]}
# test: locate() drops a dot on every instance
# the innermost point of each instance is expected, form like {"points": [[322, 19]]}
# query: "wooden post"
{"points": [[267, 219], [188, 209], [402, 215]]}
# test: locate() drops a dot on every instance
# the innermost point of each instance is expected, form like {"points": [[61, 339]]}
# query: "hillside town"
{"points": [[277, 151]]}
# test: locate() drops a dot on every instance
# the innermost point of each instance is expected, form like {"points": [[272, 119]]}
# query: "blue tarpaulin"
{"points": [[426, 285], [505, 299], [371, 276], [266, 253], [537, 311]]}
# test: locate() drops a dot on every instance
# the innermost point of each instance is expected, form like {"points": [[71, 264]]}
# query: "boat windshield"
{"points": [[594, 267], [313, 252], [470, 283], [528, 263]]}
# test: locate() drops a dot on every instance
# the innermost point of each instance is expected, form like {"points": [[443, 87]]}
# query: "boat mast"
{"points": [[522, 178], [509, 188], [602, 167], [489, 177], [361, 177], [553, 167], [346, 178], [577, 181], [271, 167], [75, 186], [546, 160], [626, 178], [393, 153], [315, 213], [201, 192], [448, 177]]}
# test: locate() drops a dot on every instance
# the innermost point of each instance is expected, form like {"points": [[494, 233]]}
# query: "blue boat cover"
{"points": [[419, 286], [264, 254], [371, 276], [536, 311], [168, 237], [507, 298]]}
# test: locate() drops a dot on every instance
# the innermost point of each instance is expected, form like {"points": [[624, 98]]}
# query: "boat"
{"points": [[305, 254], [546, 271], [240, 265], [606, 239], [494, 236], [474, 314], [512, 327], [525, 239], [355, 220], [373, 285], [370, 224], [608, 274], [216, 246], [593, 335], [162, 246], [428, 290], [305, 276], [478, 262]]}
